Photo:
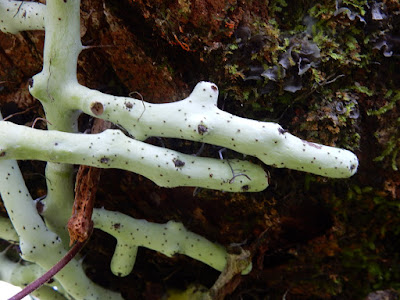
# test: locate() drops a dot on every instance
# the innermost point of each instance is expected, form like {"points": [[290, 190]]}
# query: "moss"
{"points": [[391, 98], [390, 152]]}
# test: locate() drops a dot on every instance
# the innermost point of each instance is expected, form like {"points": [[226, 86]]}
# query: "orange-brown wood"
{"points": [[80, 225]]}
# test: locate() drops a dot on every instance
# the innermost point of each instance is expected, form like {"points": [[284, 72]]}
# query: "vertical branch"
{"points": [[61, 50], [59, 199]]}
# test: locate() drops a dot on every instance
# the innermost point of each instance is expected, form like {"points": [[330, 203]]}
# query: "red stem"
{"points": [[50, 273]]}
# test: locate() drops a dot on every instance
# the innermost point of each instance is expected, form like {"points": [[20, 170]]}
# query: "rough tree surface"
{"points": [[326, 71]]}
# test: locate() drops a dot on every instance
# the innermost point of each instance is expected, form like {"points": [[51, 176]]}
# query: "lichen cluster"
{"points": [[325, 71]]}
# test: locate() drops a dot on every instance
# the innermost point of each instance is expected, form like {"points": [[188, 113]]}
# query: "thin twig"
{"points": [[232, 180], [236, 175], [19, 7], [141, 97], [41, 119], [18, 113]]}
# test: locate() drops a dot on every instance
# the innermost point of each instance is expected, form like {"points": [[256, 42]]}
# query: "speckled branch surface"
{"points": [[112, 149], [38, 244], [169, 238], [195, 118], [198, 118]]}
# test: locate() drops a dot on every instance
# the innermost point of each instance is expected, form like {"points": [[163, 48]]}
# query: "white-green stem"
{"points": [[61, 50]]}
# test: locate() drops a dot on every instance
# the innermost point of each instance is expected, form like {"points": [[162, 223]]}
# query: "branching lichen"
{"points": [[197, 118]]}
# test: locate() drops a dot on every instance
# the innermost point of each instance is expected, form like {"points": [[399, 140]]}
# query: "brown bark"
{"points": [[80, 225]]}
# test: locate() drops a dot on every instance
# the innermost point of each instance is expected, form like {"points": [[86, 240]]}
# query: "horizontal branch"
{"points": [[16, 16], [112, 149], [169, 239], [198, 118]]}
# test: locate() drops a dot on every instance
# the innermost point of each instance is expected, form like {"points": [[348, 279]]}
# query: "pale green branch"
{"points": [[16, 16]]}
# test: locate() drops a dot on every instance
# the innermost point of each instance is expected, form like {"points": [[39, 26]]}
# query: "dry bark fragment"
{"points": [[80, 225]]}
